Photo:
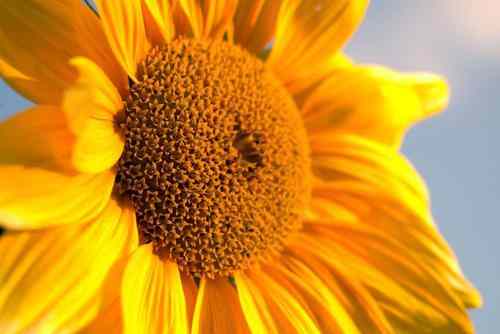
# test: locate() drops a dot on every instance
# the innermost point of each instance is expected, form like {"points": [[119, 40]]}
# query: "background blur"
{"points": [[457, 152]]}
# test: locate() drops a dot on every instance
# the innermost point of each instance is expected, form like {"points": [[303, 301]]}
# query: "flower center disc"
{"points": [[216, 159]]}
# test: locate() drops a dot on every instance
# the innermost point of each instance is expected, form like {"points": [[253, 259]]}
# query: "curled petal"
{"points": [[374, 102], [91, 105]]}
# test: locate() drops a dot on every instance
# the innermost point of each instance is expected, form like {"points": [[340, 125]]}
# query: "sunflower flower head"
{"points": [[214, 166]]}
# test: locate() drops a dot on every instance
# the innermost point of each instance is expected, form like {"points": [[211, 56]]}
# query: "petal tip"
{"points": [[433, 91]]}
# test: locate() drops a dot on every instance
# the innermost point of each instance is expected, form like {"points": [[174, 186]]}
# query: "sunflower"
{"points": [[214, 166]]}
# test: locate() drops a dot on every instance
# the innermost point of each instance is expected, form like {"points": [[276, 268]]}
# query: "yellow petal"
{"points": [[255, 23], [208, 18], [50, 280], [361, 306], [32, 198], [254, 306], [182, 23], [397, 279], [38, 39], [322, 207], [392, 245], [124, 26], [89, 28], [109, 321], [38, 137], [152, 295], [217, 309], [270, 305], [344, 164], [374, 102], [37, 184], [110, 316], [309, 33], [190, 292], [30, 88], [302, 89], [91, 104], [218, 15], [192, 12], [158, 21], [332, 317]]}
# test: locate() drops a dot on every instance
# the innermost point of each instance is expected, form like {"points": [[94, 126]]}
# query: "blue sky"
{"points": [[456, 152]]}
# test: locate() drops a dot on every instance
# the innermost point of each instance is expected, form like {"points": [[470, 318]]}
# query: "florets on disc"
{"points": [[216, 160]]}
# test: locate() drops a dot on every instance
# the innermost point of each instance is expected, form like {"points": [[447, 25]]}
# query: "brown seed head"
{"points": [[216, 159]]}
